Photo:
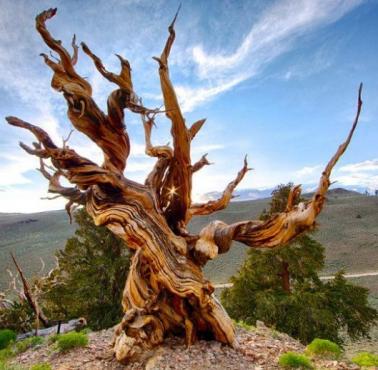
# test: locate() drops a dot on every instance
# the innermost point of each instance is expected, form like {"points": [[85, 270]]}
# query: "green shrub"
{"points": [[281, 287], [293, 360], [366, 359], [93, 268], [18, 317], [19, 347], [323, 348], [42, 366], [6, 337], [71, 340]]}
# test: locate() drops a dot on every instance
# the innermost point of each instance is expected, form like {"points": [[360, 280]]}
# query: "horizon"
{"points": [[214, 195], [278, 87]]}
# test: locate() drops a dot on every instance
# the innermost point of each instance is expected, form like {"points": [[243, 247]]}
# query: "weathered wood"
{"points": [[30, 298], [165, 291]]}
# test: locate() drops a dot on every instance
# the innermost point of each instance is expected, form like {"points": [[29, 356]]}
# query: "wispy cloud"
{"points": [[272, 35], [204, 72], [369, 165], [362, 174], [13, 168], [308, 171]]}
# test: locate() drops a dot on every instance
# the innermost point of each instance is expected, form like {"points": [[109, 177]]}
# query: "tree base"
{"points": [[152, 312]]}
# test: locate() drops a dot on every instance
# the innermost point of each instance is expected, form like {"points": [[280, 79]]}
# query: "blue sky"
{"points": [[276, 80]]}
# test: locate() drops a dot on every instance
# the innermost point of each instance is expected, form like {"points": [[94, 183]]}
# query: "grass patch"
{"points": [[86, 330], [52, 338], [244, 325], [5, 354], [293, 360], [323, 348], [5, 366], [27, 343], [366, 359], [19, 347], [6, 337], [71, 340], [42, 366]]}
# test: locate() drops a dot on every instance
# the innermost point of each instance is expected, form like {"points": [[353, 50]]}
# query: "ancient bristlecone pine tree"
{"points": [[165, 291]]}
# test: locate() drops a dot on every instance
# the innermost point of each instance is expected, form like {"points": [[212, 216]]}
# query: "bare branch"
{"points": [[294, 195], [179, 174], [51, 198], [65, 140], [201, 163], [108, 132], [123, 80], [281, 227], [66, 61], [29, 295], [195, 127], [79, 170], [75, 48], [224, 200]]}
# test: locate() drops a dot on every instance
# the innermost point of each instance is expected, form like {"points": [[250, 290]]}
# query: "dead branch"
{"points": [[29, 295], [224, 200]]}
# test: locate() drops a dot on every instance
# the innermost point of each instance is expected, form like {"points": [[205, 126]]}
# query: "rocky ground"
{"points": [[259, 349]]}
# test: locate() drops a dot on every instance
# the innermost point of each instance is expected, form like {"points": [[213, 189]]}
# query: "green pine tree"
{"points": [[281, 287], [90, 276]]}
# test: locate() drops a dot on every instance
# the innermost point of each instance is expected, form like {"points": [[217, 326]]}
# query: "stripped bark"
{"points": [[165, 291], [33, 303]]}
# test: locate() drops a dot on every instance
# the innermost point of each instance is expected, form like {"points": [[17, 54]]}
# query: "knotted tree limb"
{"points": [[78, 170], [107, 131]]}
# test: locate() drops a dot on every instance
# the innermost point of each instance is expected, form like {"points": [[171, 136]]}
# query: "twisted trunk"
{"points": [[165, 289]]}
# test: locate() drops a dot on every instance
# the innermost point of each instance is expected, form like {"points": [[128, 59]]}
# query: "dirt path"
{"points": [[329, 277]]}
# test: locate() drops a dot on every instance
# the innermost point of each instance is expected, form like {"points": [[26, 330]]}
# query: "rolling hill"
{"points": [[348, 228]]}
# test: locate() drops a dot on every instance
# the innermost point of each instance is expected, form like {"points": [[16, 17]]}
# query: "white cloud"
{"points": [[360, 180], [361, 174], [368, 165], [202, 149], [272, 35], [28, 200], [12, 172], [308, 170], [280, 23], [191, 97]]}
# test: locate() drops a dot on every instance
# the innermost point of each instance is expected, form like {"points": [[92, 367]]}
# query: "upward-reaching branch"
{"points": [[221, 203], [107, 131], [281, 227], [176, 189]]}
